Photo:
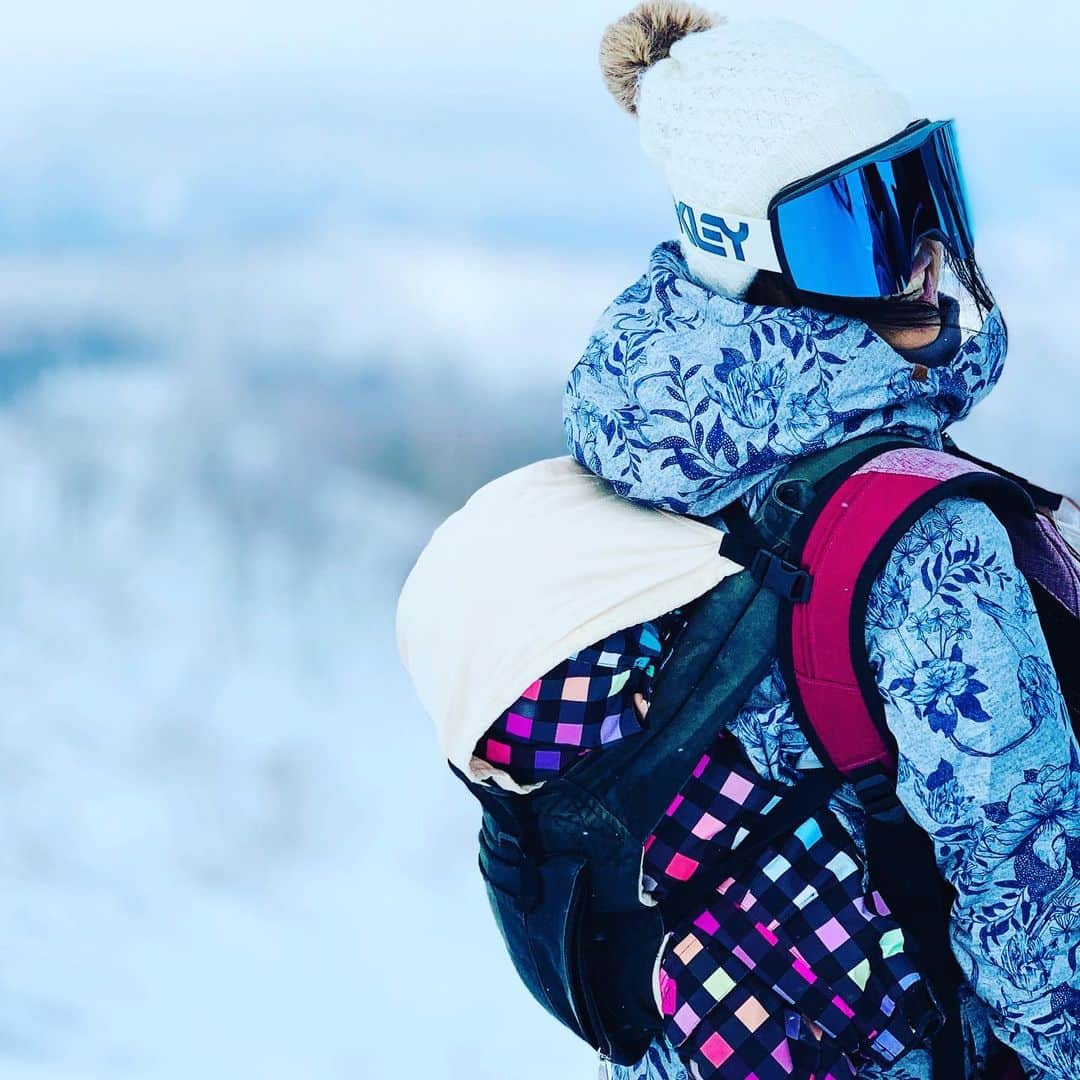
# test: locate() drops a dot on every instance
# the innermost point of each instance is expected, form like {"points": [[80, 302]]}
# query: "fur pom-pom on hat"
{"points": [[641, 38], [732, 110]]}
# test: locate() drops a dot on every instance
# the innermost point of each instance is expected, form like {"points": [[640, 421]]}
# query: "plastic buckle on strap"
{"points": [[877, 793], [923, 1012], [790, 581]]}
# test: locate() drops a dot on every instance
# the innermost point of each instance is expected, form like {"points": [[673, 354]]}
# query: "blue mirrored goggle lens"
{"points": [[856, 234]]}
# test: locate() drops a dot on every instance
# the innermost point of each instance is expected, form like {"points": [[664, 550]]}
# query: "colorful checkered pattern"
{"points": [[584, 703], [793, 931], [788, 969], [757, 1027]]}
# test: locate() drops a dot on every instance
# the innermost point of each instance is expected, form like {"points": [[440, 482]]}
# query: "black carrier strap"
{"points": [[1042, 497], [723, 653], [507, 855], [901, 864]]}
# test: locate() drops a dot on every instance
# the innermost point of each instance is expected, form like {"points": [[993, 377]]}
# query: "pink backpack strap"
{"points": [[847, 544], [846, 538]]}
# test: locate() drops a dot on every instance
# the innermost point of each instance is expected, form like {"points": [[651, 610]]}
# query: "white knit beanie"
{"points": [[733, 111]]}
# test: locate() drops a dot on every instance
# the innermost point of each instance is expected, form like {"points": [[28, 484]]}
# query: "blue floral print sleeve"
{"points": [[989, 767]]}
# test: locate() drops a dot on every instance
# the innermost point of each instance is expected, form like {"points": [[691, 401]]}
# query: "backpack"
{"points": [[562, 864]]}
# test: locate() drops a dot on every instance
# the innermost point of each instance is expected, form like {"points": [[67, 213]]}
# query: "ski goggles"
{"points": [[853, 230]]}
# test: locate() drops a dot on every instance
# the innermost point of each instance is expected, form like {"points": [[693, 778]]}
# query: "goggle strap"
{"points": [[729, 236]]}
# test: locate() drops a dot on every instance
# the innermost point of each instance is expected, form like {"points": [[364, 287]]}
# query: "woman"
{"points": [[824, 287]]}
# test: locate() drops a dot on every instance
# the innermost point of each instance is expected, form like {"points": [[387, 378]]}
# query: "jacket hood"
{"points": [[688, 400]]}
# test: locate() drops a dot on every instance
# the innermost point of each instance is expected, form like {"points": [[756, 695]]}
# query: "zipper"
{"points": [[605, 1066]]}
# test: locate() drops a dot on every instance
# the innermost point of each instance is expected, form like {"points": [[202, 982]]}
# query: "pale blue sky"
{"points": [[221, 119], [994, 46]]}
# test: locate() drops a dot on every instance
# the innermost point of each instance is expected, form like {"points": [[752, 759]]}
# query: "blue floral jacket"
{"points": [[688, 400]]}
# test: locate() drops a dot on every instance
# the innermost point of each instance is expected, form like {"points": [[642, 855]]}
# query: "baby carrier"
{"points": [[563, 863]]}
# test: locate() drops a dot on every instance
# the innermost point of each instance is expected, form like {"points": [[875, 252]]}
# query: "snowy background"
{"points": [[280, 284]]}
